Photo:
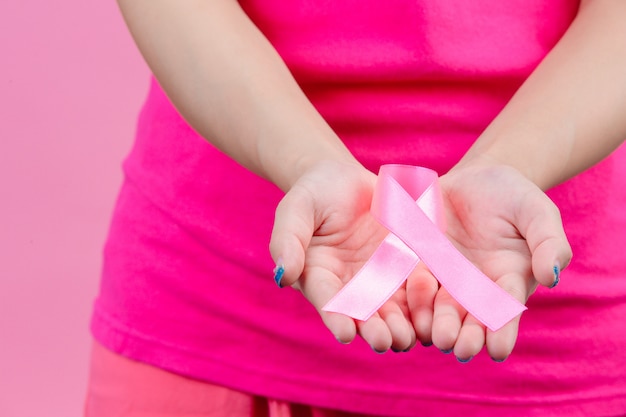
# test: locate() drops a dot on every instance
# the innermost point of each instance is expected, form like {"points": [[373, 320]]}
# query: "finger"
{"points": [[401, 330], [500, 344], [318, 285], [471, 339], [421, 290], [447, 318], [541, 225], [376, 333], [294, 225]]}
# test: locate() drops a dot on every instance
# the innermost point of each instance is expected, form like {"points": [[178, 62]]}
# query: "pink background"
{"points": [[71, 83]]}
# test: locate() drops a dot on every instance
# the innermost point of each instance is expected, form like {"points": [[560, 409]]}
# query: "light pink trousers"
{"points": [[120, 387]]}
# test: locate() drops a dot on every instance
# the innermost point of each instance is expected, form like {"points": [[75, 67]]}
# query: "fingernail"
{"points": [[279, 271], [396, 350], [426, 344], [498, 360], [380, 352], [446, 351], [342, 342], [556, 269], [466, 360]]}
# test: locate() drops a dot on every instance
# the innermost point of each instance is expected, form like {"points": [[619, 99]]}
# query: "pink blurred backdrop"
{"points": [[71, 84]]}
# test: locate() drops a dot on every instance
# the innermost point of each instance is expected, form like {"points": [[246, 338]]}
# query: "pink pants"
{"points": [[121, 387]]}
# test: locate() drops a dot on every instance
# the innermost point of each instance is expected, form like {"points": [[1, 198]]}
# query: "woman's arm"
{"points": [[571, 112], [233, 88], [567, 116], [230, 84]]}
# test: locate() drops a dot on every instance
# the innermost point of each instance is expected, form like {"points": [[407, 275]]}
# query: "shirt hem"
{"points": [[134, 345]]}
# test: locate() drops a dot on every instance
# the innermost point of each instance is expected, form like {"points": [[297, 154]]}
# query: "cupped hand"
{"points": [[323, 233], [502, 222], [511, 231]]}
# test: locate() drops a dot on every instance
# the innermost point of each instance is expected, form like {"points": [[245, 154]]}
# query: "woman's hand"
{"points": [[512, 232], [323, 234]]}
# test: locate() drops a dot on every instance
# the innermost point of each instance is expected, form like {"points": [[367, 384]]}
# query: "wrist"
{"points": [[488, 163], [540, 157], [285, 164]]}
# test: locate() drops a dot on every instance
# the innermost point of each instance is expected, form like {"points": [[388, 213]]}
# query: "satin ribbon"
{"points": [[407, 201]]}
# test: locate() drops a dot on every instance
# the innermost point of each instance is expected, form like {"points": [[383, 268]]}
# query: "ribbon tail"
{"points": [[376, 282]]}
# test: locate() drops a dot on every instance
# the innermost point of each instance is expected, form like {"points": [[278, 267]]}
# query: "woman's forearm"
{"points": [[230, 84], [571, 112]]}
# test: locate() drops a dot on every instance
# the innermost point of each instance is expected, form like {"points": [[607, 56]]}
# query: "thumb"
{"points": [[294, 225], [542, 227]]}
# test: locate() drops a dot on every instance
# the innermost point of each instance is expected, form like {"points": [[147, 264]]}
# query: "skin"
{"points": [[566, 117]]}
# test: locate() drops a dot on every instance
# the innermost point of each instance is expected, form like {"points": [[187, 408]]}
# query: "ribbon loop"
{"points": [[407, 201]]}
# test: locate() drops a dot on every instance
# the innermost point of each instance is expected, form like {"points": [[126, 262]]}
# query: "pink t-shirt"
{"points": [[187, 282]]}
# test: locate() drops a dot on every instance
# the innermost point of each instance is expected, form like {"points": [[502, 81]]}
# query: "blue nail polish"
{"points": [[279, 271], [426, 344], [498, 360], [446, 351], [466, 360], [557, 273]]}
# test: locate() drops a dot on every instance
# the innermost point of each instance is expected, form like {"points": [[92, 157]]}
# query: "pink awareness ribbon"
{"points": [[407, 202]]}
